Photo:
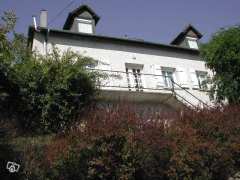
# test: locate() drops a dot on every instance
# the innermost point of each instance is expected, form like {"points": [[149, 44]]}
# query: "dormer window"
{"points": [[192, 42], [188, 38], [84, 26], [82, 19]]}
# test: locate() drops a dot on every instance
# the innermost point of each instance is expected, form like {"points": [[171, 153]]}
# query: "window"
{"points": [[202, 79], [85, 26], [92, 65], [168, 77], [134, 79], [192, 42]]}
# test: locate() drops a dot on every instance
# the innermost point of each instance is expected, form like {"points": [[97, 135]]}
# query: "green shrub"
{"points": [[222, 56], [44, 93]]}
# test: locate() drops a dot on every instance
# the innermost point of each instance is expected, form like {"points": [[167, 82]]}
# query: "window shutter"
{"points": [[151, 78], [194, 78], [159, 80], [143, 80], [130, 79], [174, 76], [182, 77]]}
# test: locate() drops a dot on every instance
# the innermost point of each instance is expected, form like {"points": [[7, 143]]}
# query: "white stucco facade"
{"points": [[137, 69], [117, 57]]}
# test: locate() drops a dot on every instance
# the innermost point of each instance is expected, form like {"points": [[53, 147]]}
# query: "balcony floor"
{"points": [[165, 98]]}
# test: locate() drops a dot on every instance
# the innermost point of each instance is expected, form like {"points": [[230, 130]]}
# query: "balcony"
{"points": [[135, 82], [139, 87]]}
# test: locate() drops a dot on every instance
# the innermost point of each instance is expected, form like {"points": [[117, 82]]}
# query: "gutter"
{"points": [[45, 43], [75, 35]]}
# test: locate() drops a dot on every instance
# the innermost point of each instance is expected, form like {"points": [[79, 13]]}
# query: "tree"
{"points": [[222, 56], [43, 93]]}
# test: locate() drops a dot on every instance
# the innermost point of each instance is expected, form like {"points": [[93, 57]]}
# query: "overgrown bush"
{"points": [[8, 153], [43, 93], [116, 143]]}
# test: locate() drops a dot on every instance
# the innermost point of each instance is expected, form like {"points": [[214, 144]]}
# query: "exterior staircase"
{"points": [[187, 98]]}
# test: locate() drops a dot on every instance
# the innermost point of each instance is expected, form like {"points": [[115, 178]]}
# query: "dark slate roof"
{"points": [[76, 13], [183, 34], [94, 37]]}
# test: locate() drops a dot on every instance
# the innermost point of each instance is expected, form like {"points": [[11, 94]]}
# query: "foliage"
{"points": [[9, 20], [47, 94], [44, 93], [222, 56], [116, 143], [8, 153]]}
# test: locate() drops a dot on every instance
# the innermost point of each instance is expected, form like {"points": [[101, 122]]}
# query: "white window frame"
{"points": [[192, 42], [134, 76], [85, 22], [201, 83], [167, 79]]}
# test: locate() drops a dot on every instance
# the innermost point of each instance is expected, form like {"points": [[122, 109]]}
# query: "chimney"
{"points": [[43, 18]]}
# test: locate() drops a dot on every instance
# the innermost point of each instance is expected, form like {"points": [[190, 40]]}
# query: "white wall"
{"points": [[38, 44], [118, 54]]}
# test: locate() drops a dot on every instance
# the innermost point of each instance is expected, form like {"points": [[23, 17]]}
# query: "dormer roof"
{"points": [[83, 11], [188, 31]]}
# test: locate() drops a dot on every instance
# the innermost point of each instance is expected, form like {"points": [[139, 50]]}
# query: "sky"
{"points": [[152, 20]]}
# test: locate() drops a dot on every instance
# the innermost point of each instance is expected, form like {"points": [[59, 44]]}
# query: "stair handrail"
{"points": [[174, 83]]}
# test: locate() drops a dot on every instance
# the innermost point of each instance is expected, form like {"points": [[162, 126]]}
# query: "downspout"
{"points": [[45, 43]]}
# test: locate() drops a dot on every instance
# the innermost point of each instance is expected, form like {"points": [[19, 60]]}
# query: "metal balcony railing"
{"points": [[129, 81], [120, 80]]}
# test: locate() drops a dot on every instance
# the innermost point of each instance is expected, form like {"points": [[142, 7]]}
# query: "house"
{"points": [[170, 75]]}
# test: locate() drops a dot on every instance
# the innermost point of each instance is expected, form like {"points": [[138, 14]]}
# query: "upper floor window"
{"points": [[92, 65], [202, 79], [168, 76], [134, 77], [83, 26], [192, 43], [99, 64]]}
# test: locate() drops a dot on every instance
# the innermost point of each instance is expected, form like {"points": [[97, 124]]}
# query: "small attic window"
{"points": [[88, 20], [192, 42], [85, 26]]}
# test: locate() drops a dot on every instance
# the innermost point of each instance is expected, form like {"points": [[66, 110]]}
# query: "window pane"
{"points": [[134, 79], [202, 77], [193, 44], [85, 28], [168, 75]]}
